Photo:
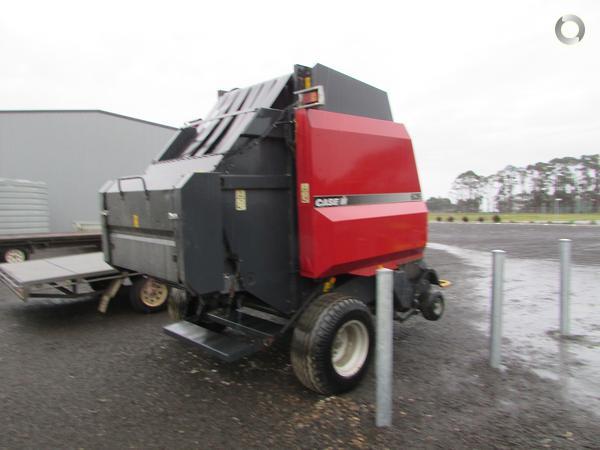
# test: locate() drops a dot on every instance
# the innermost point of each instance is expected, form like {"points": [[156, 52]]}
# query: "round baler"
{"points": [[270, 217]]}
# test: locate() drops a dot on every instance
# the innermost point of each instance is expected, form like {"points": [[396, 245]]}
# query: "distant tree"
{"points": [[505, 196], [442, 204], [589, 182], [565, 186], [534, 188], [467, 190], [586, 182], [542, 184], [472, 205]]}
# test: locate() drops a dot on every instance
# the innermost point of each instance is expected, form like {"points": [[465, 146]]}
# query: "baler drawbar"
{"points": [[271, 216]]}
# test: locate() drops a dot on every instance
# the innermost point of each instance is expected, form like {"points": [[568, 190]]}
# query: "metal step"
{"points": [[263, 315], [247, 324], [226, 346]]}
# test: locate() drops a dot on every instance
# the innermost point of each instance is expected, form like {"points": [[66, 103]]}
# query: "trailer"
{"points": [[270, 217], [83, 275], [16, 248]]}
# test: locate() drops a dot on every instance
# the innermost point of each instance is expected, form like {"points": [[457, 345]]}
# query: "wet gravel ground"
{"points": [[72, 378], [522, 240]]}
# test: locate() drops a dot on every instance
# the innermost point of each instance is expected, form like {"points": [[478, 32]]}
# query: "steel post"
{"points": [[497, 299], [384, 341], [565, 286]]}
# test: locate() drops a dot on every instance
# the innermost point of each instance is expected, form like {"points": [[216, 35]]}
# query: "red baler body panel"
{"points": [[368, 165]]}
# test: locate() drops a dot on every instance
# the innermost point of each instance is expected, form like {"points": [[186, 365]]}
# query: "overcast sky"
{"points": [[479, 85]]}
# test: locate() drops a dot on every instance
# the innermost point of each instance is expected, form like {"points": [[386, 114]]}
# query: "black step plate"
{"points": [[226, 346], [249, 325]]}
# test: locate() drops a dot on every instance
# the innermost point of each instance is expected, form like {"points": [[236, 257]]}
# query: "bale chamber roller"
{"points": [[271, 215]]}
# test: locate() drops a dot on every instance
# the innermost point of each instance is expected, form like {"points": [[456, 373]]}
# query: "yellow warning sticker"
{"points": [[136, 221], [304, 192], [240, 200]]}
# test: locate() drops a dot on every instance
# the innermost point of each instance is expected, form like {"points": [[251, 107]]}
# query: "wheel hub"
{"points": [[438, 308], [153, 293], [350, 348], [14, 255]]}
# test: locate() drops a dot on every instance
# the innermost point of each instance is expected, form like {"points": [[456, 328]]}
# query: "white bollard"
{"points": [[565, 286], [497, 298], [384, 346]]}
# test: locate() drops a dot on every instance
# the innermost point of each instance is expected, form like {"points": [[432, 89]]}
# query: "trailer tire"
{"points": [[148, 295], [332, 344], [14, 255], [432, 306]]}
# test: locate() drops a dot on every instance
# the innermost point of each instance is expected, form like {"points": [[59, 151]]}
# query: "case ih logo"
{"points": [[366, 199], [321, 202]]}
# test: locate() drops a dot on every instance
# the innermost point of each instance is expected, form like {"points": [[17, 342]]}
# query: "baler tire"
{"points": [[312, 348], [136, 293], [432, 306]]}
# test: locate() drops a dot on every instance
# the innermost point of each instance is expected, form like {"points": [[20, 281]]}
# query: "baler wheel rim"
{"points": [[350, 348]]}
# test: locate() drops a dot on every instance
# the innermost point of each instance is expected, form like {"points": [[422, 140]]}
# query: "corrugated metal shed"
{"points": [[23, 207], [75, 152]]}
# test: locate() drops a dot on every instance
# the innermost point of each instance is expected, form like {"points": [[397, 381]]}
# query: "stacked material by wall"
{"points": [[23, 207]]}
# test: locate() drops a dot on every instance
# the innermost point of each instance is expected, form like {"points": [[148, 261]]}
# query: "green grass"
{"points": [[517, 217]]}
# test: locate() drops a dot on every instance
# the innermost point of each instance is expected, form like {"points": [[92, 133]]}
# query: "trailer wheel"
{"points": [[14, 255], [432, 306], [148, 295], [332, 344]]}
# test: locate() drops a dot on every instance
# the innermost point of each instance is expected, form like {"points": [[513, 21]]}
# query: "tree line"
{"points": [[566, 184]]}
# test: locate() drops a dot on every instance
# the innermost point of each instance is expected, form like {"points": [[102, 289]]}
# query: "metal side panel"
{"points": [[166, 174], [178, 142], [155, 256], [201, 253], [206, 127], [54, 238], [135, 209], [264, 99], [223, 127], [234, 110], [364, 212], [53, 270], [348, 95], [240, 121]]}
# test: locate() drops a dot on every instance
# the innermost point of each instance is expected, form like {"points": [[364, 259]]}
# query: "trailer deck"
{"points": [[61, 275], [17, 247]]}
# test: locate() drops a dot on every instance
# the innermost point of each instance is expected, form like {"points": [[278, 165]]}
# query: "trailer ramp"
{"points": [[27, 279]]}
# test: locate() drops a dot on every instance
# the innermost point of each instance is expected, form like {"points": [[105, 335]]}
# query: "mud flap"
{"points": [[403, 291]]}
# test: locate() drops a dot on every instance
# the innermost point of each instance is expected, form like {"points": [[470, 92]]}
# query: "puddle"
{"points": [[531, 317]]}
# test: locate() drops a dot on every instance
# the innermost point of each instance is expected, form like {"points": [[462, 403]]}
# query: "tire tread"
{"points": [[310, 338]]}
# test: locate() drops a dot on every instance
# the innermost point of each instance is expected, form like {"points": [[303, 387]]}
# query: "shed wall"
{"points": [[74, 153]]}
